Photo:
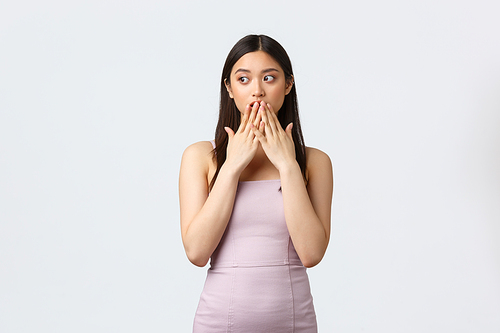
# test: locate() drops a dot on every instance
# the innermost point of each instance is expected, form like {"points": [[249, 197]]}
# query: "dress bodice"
{"points": [[256, 234]]}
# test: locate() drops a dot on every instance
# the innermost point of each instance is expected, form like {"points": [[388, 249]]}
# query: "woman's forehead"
{"points": [[256, 62]]}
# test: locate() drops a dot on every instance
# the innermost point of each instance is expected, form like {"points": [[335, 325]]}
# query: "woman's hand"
{"points": [[276, 142], [243, 144]]}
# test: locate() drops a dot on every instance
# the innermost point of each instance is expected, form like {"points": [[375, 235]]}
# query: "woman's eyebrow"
{"points": [[270, 70], [242, 70], [263, 71]]}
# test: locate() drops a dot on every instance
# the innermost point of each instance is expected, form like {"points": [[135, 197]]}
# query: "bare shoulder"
{"points": [[197, 159], [319, 174], [199, 149], [317, 161], [314, 154]]}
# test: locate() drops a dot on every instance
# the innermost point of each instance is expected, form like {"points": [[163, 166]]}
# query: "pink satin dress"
{"points": [[256, 281]]}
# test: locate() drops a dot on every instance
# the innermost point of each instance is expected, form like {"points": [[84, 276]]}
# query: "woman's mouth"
{"points": [[252, 104]]}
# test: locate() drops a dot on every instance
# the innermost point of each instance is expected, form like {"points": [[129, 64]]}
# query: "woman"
{"points": [[256, 200]]}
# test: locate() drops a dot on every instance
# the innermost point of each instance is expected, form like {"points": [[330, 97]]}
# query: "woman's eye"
{"points": [[268, 78], [243, 79]]}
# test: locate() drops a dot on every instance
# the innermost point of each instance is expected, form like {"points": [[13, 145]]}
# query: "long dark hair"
{"points": [[229, 115]]}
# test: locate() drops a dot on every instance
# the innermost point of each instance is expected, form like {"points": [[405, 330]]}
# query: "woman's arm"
{"points": [[307, 209], [204, 217]]}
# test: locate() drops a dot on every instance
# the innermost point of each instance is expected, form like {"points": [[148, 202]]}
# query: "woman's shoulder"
{"points": [[317, 161], [198, 153], [315, 155], [199, 149]]}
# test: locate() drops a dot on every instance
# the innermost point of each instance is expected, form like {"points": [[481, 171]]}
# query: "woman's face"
{"points": [[256, 76]]}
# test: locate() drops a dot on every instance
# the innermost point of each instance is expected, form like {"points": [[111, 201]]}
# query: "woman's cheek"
{"points": [[241, 107]]}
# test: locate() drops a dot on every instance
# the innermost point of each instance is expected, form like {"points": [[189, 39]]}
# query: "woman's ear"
{"points": [[289, 85], [228, 88]]}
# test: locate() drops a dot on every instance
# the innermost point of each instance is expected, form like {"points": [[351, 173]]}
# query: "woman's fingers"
{"points": [[258, 117], [271, 125], [253, 114], [259, 134], [262, 126], [251, 119], [288, 131], [244, 133], [273, 120], [244, 120], [265, 119], [229, 132]]}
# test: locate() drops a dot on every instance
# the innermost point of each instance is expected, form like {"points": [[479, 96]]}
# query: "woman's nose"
{"points": [[258, 90]]}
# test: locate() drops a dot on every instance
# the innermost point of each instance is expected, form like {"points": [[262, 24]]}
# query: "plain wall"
{"points": [[98, 100]]}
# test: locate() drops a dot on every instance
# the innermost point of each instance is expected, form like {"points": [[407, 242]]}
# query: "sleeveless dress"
{"points": [[256, 281]]}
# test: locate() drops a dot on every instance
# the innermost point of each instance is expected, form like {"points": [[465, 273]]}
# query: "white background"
{"points": [[98, 100]]}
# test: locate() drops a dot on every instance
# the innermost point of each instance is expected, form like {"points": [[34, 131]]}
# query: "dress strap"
{"points": [[213, 143]]}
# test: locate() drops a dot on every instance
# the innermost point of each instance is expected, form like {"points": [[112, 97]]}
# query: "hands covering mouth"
{"points": [[252, 103], [260, 125]]}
